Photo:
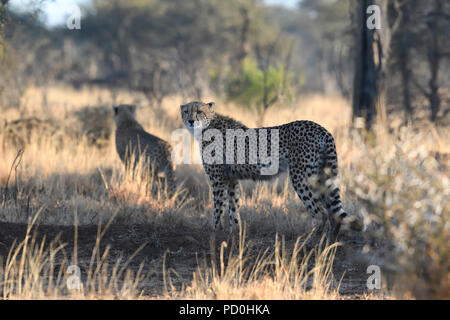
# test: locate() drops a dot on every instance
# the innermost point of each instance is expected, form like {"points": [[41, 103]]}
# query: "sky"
{"points": [[57, 11], [286, 3]]}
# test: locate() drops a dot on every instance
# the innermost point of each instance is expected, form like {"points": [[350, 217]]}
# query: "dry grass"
{"points": [[280, 274], [396, 179], [32, 270]]}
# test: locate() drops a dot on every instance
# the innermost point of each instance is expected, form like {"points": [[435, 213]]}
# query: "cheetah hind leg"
{"points": [[164, 183], [334, 232], [160, 184], [311, 200], [169, 183], [331, 226], [332, 201]]}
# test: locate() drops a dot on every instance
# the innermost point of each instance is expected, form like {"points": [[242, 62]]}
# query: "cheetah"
{"points": [[303, 148], [133, 140]]}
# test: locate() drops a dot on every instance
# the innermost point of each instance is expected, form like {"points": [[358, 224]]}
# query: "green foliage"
{"points": [[258, 88]]}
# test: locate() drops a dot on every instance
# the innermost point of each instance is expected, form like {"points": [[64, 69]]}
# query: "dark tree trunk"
{"points": [[372, 49], [405, 74], [434, 55], [364, 81], [403, 56], [242, 51], [434, 59]]}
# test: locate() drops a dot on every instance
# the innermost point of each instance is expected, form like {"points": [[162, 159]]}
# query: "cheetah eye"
{"points": [[186, 112], [199, 112]]}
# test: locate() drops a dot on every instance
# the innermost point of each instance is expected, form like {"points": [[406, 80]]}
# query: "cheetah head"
{"points": [[197, 114], [124, 111]]}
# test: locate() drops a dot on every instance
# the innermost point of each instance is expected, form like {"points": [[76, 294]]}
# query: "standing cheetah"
{"points": [[303, 148], [133, 140]]}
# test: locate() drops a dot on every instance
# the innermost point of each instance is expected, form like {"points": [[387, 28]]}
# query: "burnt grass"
{"points": [[180, 250]]}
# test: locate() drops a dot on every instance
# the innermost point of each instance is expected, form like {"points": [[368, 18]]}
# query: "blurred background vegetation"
{"points": [[247, 51], [264, 63]]}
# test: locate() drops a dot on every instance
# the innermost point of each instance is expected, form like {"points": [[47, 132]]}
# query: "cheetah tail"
{"points": [[331, 179]]}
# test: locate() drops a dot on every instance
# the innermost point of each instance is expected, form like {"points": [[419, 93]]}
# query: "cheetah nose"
{"points": [[191, 122]]}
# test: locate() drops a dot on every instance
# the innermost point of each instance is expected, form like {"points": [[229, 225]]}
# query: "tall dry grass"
{"points": [[274, 273], [396, 179], [33, 270]]}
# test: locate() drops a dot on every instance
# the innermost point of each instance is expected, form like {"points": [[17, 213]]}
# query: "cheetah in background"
{"points": [[305, 149], [133, 140]]}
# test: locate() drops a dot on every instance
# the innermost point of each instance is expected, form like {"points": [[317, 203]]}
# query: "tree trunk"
{"points": [[372, 48], [405, 74], [405, 46], [364, 81], [242, 51], [434, 59]]}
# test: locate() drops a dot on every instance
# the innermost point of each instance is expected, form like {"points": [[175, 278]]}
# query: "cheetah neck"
{"points": [[221, 121], [126, 124]]}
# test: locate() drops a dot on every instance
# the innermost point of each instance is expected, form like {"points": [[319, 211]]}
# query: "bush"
{"points": [[258, 89], [405, 194]]}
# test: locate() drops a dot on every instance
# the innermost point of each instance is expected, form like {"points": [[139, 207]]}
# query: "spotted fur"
{"points": [[132, 139], [306, 150]]}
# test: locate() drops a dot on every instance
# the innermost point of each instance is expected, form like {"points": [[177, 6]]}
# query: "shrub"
{"points": [[405, 195], [258, 88]]}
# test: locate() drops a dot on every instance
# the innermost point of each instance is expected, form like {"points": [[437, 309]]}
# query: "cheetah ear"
{"points": [[181, 106], [211, 104], [116, 110]]}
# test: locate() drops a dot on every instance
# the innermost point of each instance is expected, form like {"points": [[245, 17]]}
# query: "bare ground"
{"points": [[181, 250]]}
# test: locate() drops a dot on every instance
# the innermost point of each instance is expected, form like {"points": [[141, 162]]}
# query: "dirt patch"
{"points": [[181, 251]]}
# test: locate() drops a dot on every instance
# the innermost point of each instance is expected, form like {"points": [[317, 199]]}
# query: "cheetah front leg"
{"points": [[219, 195], [170, 181], [233, 203]]}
